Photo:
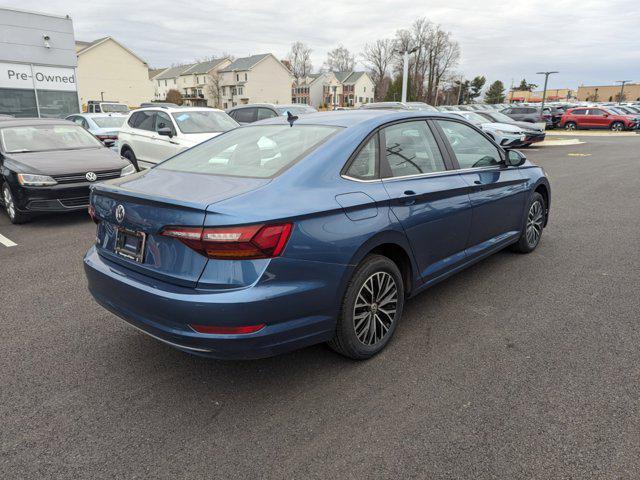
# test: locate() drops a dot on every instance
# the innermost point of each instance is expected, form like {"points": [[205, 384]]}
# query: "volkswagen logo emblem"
{"points": [[92, 177], [119, 213]]}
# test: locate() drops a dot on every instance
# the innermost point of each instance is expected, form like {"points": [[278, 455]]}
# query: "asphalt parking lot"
{"points": [[524, 366]]}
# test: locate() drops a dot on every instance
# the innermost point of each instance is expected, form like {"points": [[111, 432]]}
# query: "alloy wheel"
{"points": [[534, 223], [375, 309], [8, 202], [617, 127], [570, 126]]}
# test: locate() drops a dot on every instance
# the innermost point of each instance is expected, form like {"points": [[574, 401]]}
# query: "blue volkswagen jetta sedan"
{"points": [[291, 232]]}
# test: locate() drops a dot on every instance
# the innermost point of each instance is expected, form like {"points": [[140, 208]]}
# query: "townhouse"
{"points": [[255, 79], [334, 89]]}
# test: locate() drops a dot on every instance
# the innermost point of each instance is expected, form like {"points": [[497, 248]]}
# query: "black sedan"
{"points": [[47, 165]]}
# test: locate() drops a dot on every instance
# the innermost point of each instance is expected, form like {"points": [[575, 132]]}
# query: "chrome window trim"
{"points": [[428, 174]]}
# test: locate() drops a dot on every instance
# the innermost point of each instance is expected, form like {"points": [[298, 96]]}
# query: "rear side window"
{"points": [[245, 115], [411, 149], [578, 112], [596, 111], [471, 148], [264, 113], [365, 165], [257, 151]]}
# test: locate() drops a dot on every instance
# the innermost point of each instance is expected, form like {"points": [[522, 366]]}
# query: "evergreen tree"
{"points": [[495, 94], [525, 86], [394, 93], [476, 86]]}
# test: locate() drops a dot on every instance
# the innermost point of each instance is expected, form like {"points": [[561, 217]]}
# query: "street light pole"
{"points": [[544, 92], [405, 71], [622, 84]]}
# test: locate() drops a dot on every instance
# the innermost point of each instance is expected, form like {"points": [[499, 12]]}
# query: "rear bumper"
{"points": [[296, 314]]}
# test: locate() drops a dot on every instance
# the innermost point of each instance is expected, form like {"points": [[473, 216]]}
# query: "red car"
{"points": [[597, 117]]}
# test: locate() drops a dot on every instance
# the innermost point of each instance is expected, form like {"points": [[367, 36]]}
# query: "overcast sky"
{"points": [[588, 41]]}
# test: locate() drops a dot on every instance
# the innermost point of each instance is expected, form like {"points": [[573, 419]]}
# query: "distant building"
{"points": [[553, 95], [255, 79], [341, 89], [108, 70], [609, 93], [38, 76]]}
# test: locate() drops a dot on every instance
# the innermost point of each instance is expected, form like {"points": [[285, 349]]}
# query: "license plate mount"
{"points": [[130, 244]]}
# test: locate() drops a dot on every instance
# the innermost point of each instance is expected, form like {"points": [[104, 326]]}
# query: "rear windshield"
{"points": [[114, 107], [201, 121], [109, 122], [295, 110], [257, 151], [40, 138]]}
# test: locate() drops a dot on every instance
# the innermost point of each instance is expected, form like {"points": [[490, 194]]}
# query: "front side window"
{"points": [[41, 138], [365, 165], [201, 121], [471, 148], [163, 121], [411, 149], [257, 151]]}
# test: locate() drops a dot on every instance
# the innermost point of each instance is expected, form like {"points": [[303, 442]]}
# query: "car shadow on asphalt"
{"points": [[318, 363]]}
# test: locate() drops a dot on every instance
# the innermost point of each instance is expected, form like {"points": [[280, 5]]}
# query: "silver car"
{"points": [[105, 126]]}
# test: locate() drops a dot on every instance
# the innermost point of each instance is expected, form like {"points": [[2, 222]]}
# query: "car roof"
{"points": [[349, 118], [97, 115], [178, 109], [27, 121]]}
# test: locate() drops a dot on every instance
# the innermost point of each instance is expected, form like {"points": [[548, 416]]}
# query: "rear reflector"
{"points": [[92, 214], [227, 330], [234, 243]]}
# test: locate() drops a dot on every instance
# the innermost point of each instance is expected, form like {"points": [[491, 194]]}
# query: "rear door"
{"points": [[143, 136], [264, 113], [497, 192], [430, 200]]}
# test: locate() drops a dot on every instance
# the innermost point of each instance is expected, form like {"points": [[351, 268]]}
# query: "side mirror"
{"points": [[165, 132], [515, 158], [605, 115]]}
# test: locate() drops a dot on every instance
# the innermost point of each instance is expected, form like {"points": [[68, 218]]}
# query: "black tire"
{"points": [[15, 216], [617, 127], [570, 126], [527, 243], [129, 155], [358, 346]]}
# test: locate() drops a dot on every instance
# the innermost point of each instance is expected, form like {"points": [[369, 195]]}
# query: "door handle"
{"points": [[408, 197], [477, 182]]}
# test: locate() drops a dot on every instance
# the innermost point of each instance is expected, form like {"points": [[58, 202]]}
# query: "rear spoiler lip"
{"points": [[118, 192]]}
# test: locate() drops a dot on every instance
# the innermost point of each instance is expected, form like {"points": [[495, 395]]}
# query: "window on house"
{"points": [[245, 77], [360, 99], [224, 93], [174, 81], [165, 83], [197, 79], [240, 91], [237, 77], [364, 89]]}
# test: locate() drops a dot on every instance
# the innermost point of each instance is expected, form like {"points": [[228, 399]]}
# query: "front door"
{"points": [[598, 118], [497, 192], [427, 196], [162, 146]]}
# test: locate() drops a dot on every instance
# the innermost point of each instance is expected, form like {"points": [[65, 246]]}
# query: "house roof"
{"points": [[353, 77], [155, 71], [203, 67], [82, 47], [246, 63], [342, 76], [173, 72]]}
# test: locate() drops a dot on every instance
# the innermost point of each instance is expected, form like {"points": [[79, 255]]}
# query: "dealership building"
{"points": [[37, 65]]}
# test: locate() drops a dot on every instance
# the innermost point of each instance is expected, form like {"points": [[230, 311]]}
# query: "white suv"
{"points": [[151, 135]]}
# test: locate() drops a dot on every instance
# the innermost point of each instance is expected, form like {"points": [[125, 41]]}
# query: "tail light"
{"points": [[234, 243], [92, 214], [107, 137]]}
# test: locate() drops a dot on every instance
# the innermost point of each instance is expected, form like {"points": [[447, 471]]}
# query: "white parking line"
{"points": [[6, 242]]}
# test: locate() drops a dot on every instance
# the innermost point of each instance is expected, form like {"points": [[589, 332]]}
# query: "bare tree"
{"points": [[174, 96], [436, 54], [214, 89], [378, 56], [299, 58], [340, 60]]}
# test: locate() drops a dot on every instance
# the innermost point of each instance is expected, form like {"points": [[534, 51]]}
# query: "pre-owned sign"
{"points": [[18, 75]]}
